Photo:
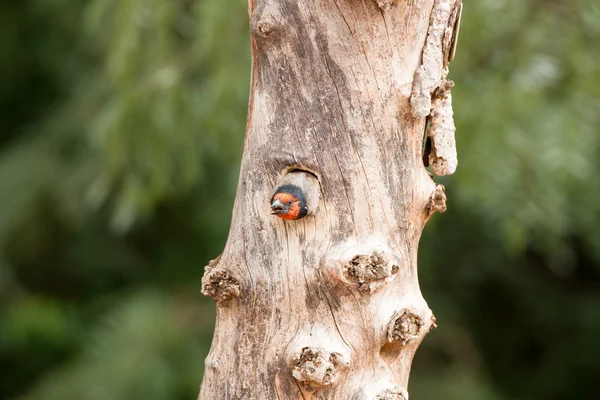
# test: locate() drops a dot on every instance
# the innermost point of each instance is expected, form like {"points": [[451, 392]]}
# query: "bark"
{"points": [[329, 306]]}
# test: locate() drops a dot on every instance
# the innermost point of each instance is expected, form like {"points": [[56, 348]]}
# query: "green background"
{"points": [[121, 134]]}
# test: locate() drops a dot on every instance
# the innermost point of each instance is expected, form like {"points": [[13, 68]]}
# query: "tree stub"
{"points": [[319, 298]]}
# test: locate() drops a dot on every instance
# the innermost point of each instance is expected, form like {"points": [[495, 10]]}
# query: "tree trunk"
{"points": [[328, 306]]}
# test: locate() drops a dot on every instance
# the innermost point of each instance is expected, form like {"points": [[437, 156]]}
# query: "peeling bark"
{"points": [[442, 158], [437, 202], [328, 306], [430, 74]]}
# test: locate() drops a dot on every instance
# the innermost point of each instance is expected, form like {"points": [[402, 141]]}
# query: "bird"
{"points": [[289, 203]]}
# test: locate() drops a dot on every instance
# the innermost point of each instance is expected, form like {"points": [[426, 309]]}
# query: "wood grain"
{"points": [[331, 88]]}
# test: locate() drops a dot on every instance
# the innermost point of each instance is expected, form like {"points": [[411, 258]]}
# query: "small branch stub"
{"points": [[370, 271], [264, 26], [405, 327], [219, 284], [316, 367], [393, 394], [385, 4], [437, 202]]}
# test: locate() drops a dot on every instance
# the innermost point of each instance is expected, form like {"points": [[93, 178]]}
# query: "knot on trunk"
{"points": [[437, 201], [450, 39], [264, 26], [219, 284], [433, 325], [370, 271], [393, 394], [405, 327], [316, 367], [385, 4], [264, 29]]}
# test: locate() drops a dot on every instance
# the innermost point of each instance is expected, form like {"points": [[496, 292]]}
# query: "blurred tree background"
{"points": [[122, 127]]}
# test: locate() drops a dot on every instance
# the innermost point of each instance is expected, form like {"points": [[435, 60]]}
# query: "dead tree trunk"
{"points": [[328, 306]]}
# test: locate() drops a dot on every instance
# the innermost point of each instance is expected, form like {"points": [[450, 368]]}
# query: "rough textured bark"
{"points": [[329, 306]]}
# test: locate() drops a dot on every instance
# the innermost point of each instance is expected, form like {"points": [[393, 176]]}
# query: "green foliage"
{"points": [[145, 348], [528, 102], [122, 131]]}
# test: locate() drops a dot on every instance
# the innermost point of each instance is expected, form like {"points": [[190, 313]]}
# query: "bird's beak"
{"points": [[277, 207]]}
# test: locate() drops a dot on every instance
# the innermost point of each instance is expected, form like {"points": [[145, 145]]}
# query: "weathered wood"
{"points": [[329, 306]]}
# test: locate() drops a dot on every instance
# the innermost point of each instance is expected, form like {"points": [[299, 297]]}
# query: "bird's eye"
{"points": [[288, 202]]}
